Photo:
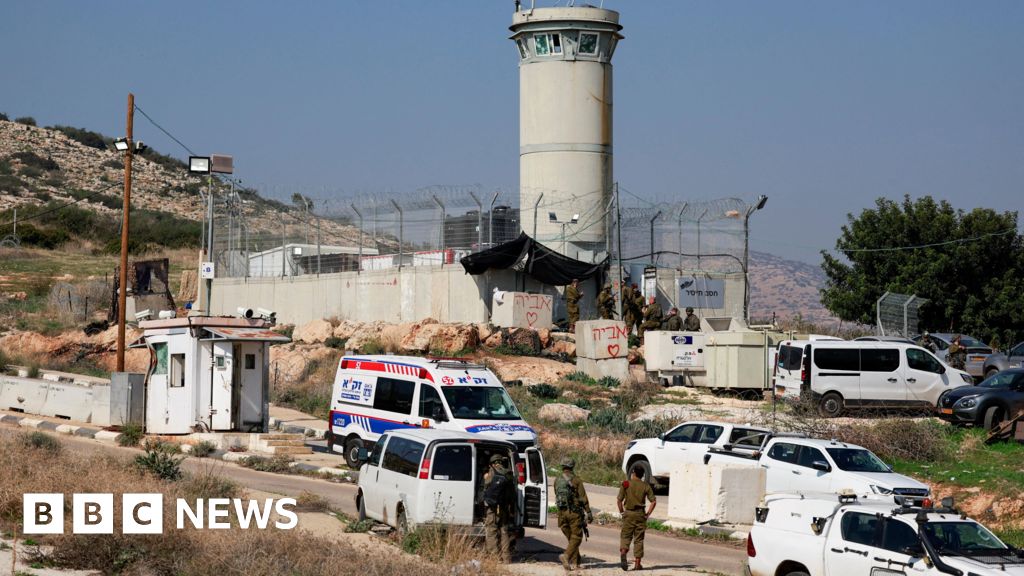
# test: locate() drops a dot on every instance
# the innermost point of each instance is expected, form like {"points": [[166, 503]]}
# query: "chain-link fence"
{"points": [[438, 225], [897, 314]]}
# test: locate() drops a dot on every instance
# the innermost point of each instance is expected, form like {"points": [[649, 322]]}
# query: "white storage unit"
{"points": [[677, 357]]}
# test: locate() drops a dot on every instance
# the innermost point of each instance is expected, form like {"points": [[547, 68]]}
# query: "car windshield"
{"points": [[857, 460], [964, 538], [1001, 380], [480, 403]]}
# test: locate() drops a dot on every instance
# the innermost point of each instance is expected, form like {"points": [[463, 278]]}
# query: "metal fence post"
{"points": [[479, 221], [490, 220], [535, 205], [652, 235], [681, 210], [443, 213], [401, 231], [359, 263]]}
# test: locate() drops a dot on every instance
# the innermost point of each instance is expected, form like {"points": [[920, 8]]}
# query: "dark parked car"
{"points": [[996, 362], [977, 351], [998, 398]]}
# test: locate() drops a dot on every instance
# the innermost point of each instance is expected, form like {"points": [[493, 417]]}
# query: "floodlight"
{"points": [[575, 218], [121, 144], [761, 201], [143, 315], [199, 164]]}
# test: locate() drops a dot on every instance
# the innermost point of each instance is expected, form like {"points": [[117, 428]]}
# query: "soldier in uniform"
{"points": [[692, 323], [673, 323], [652, 317], [606, 302], [638, 308], [927, 343], [633, 495], [573, 295], [957, 354], [627, 306], [573, 512], [499, 501]]}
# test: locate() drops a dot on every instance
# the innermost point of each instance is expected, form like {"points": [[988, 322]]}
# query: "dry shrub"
{"points": [[607, 449], [899, 438], [391, 341], [454, 548], [187, 552]]}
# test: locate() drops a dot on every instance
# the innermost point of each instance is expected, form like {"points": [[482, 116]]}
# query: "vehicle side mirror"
{"points": [[661, 437], [439, 414], [821, 465], [362, 455]]}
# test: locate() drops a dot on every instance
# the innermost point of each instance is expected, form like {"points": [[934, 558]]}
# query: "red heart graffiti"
{"points": [[613, 349], [531, 317]]}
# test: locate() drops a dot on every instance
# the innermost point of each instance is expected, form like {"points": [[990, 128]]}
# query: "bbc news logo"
{"points": [[144, 513]]}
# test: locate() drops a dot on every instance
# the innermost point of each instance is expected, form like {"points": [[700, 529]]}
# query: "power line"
{"points": [[931, 245], [161, 128]]}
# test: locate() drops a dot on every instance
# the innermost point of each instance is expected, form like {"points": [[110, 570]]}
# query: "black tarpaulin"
{"points": [[527, 255]]}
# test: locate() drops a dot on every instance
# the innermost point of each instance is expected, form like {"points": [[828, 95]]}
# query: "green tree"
{"points": [[969, 265]]}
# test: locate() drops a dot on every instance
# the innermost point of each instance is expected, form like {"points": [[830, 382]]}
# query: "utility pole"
{"points": [[122, 295]]}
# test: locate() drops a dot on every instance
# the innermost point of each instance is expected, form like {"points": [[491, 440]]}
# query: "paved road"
{"points": [[601, 551]]}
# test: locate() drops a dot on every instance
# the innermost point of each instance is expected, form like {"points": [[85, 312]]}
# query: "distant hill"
{"points": [[41, 168], [787, 288]]}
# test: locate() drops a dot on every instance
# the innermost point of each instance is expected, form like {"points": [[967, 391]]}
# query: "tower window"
{"points": [[547, 44], [523, 53], [542, 44], [588, 44]]}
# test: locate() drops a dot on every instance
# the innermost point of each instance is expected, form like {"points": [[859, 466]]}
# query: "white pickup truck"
{"points": [[830, 535], [687, 443], [796, 464]]}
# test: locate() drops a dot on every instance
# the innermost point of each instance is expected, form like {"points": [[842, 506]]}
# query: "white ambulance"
{"points": [[373, 395]]}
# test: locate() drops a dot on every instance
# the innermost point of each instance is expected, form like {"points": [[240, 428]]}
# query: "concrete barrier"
{"points": [[601, 339], [48, 398], [522, 310], [617, 368], [721, 492]]}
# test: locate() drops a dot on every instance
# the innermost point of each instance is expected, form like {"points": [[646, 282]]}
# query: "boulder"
{"points": [[545, 337], [346, 329], [288, 363], [494, 340], [453, 338], [563, 413], [562, 347], [364, 335], [313, 332], [484, 331], [419, 335], [525, 340]]}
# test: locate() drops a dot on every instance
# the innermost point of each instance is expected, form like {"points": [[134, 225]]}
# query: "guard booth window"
{"points": [[160, 349], [177, 371], [394, 395], [588, 44]]}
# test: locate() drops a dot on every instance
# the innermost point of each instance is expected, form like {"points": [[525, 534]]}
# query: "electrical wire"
{"points": [[931, 245], [161, 128]]}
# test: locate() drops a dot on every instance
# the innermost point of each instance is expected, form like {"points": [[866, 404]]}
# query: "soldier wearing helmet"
{"points": [[573, 512]]}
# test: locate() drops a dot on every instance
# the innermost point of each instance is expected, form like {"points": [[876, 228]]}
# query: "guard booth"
{"points": [[207, 374]]}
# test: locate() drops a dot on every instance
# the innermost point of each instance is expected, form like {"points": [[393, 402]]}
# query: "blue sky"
{"points": [[823, 106]]}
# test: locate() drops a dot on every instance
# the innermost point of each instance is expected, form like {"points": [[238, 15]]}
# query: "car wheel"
{"points": [[352, 446], [646, 474], [831, 405], [402, 524], [991, 372], [362, 506], [993, 417]]}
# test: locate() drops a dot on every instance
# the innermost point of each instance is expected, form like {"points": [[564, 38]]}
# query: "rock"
{"points": [[564, 413], [316, 331], [454, 338], [288, 363], [529, 370], [525, 340], [562, 347], [635, 355], [484, 331], [346, 328], [545, 337], [365, 335], [419, 335], [494, 340]]}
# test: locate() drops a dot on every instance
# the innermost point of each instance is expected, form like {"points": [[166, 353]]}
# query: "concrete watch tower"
{"points": [[565, 124]]}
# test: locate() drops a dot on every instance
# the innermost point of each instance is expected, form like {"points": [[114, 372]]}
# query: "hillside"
{"points": [[787, 288], [43, 167]]}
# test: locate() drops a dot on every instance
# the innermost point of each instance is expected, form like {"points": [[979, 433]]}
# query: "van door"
{"points": [[535, 491], [837, 370], [399, 483], [432, 413], [788, 364], [369, 481], [926, 377], [452, 483], [881, 380]]}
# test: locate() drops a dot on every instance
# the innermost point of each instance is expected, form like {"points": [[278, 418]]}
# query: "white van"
{"points": [[420, 477], [377, 394], [837, 375]]}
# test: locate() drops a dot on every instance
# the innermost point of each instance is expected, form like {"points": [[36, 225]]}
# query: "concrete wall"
{"points": [[62, 400], [445, 293], [728, 494]]}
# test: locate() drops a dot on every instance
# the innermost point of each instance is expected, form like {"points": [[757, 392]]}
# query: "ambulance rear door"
{"points": [[535, 490]]}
